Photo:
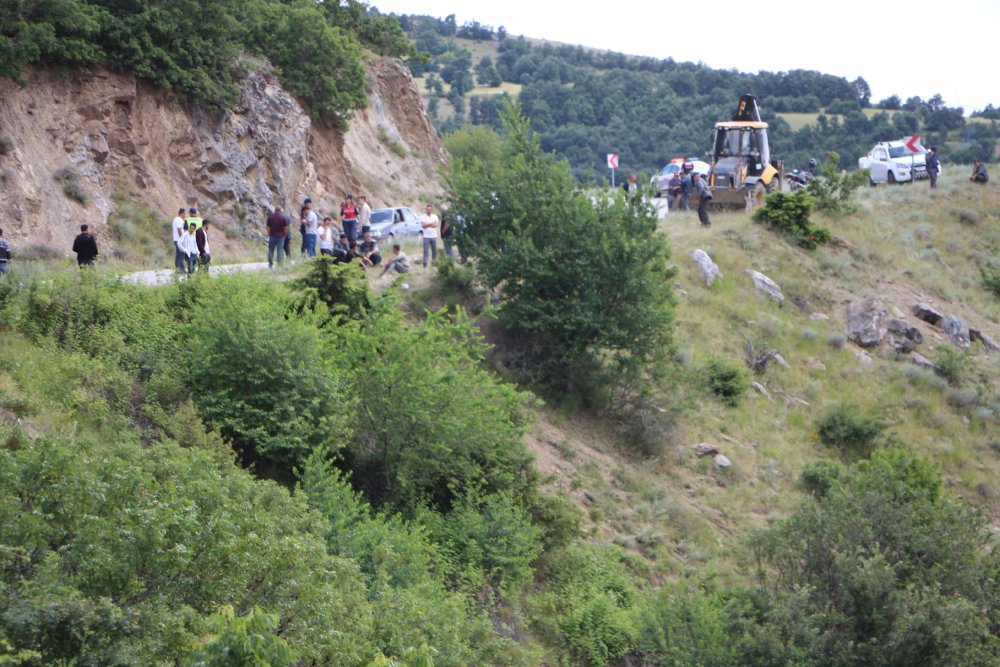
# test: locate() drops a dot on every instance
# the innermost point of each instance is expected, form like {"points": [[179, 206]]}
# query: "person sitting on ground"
{"points": [[342, 250], [369, 250], [399, 262], [979, 173]]}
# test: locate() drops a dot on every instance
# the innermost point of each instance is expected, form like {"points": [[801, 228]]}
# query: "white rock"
{"points": [[709, 269], [721, 462], [766, 286]]}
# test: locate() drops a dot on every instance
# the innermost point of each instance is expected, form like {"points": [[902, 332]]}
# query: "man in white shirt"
{"points": [[364, 215], [189, 247], [311, 223], [179, 226], [430, 223]]}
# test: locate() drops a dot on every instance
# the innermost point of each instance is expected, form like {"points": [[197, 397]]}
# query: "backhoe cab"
{"points": [[742, 169]]}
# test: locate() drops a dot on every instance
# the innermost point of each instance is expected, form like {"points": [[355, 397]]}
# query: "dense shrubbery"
{"points": [[726, 380], [195, 48], [832, 189], [130, 537]]}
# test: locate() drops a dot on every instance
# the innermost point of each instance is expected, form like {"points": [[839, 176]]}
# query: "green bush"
{"points": [[726, 380], [953, 365], [789, 214], [991, 280], [262, 378], [853, 433], [6, 145], [457, 278], [832, 189], [685, 624], [886, 568], [818, 477]]}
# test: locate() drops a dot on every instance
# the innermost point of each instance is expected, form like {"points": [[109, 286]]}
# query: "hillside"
{"points": [[117, 138], [906, 246]]}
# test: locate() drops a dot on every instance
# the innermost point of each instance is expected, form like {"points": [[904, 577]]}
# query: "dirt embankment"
{"points": [[105, 131]]}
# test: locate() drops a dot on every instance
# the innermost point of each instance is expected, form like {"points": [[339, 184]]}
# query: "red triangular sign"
{"points": [[912, 143]]}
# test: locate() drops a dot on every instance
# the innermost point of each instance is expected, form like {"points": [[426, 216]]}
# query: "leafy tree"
{"points": [[789, 214], [535, 235], [261, 377], [431, 425], [249, 640], [833, 189], [864, 91], [883, 569]]}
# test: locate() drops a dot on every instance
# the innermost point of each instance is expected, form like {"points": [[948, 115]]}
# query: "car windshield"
{"points": [[901, 151], [382, 216], [670, 169]]}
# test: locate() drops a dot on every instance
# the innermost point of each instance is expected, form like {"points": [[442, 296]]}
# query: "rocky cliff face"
{"points": [[92, 135]]}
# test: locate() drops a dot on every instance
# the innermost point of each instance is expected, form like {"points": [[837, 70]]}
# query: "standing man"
{"points": [[194, 218], [85, 247], [674, 191], [349, 219], [704, 196], [933, 166], [5, 255], [430, 223], [364, 215], [447, 231], [310, 224], [179, 226], [277, 236], [204, 251], [686, 186], [631, 186], [189, 246]]}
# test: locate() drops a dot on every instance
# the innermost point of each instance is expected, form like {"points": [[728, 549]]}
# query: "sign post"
{"points": [[612, 165]]}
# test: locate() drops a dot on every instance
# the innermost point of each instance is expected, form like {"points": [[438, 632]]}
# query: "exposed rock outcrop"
{"points": [[766, 286], [119, 133], [709, 269], [867, 322]]}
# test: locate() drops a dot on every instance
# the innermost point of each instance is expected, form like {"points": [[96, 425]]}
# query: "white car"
{"points": [[893, 162], [661, 180]]}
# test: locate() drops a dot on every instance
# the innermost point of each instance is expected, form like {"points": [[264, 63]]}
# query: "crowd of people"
{"points": [[191, 241], [337, 236]]}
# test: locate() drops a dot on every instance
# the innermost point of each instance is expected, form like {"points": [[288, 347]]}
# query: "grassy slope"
{"points": [[906, 245]]}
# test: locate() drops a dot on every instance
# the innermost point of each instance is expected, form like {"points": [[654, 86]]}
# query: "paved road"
{"points": [[166, 275]]}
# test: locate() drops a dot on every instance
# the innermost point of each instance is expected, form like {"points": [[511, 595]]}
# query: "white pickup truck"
{"points": [[893, 162]]}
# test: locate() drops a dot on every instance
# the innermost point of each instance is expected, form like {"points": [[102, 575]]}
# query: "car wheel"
{"points": [[890, 178]]}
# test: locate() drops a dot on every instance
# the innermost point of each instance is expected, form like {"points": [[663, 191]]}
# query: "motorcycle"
{"points": [[799, 179]]}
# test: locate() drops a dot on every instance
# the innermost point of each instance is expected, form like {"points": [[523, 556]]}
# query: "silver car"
{"points": [[391, 223]]}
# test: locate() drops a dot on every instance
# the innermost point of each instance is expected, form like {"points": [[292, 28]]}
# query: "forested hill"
{"points": [[586, 103]]}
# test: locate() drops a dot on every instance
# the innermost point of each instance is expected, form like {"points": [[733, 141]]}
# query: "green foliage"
{"points": [[262, 378], [403, 568], [115, 553], [318, 62], [430, 420], [456, 278], [726, 380], [70, 180], [789, 214], [6, 145], [953, 365], [587, 287], [818, 477], [587, 601], [195, 48], [248, 640], [340, 288], [475, 144], [832, 189], [686, 624], [883, 569], [846, 428], [991, 280], [490, 539]]}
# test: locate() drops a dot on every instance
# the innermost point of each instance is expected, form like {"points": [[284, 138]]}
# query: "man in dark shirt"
{"points": [[85, 247], [277, 231], [342, 250], [368, 251], [979, 173], [933, 165]]}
